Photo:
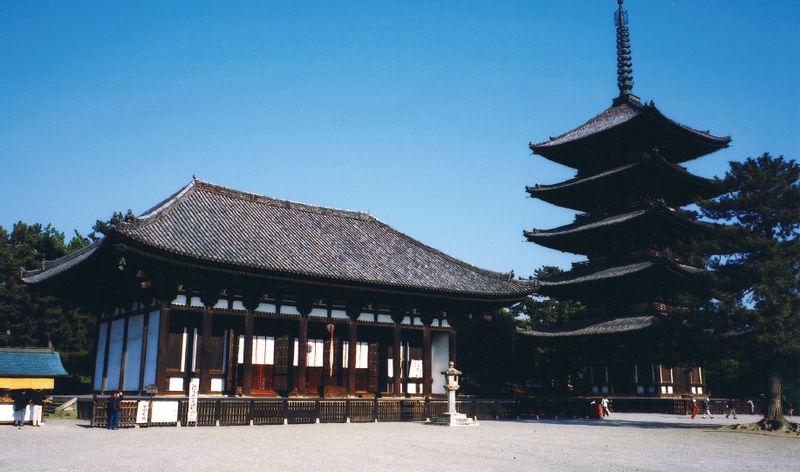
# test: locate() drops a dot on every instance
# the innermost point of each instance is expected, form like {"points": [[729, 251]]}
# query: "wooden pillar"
{"points": [[302, 354], [427, 378], [143, 357], [205, 349], [396, 362], [451, 341], [247, 378], [124, 357], [352, 330], [162, 382], [105, 354]]}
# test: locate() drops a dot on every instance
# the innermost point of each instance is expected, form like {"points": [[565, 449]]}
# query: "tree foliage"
{"points": [[757, 262], [31, 319]]}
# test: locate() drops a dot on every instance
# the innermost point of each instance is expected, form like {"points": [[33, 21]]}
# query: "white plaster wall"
{"points": [[115, 354], [133, 357], [101, 352], [151, 358], [440, 357]]}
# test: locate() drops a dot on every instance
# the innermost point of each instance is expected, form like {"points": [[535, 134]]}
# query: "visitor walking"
{"points": [[707, 408], [694, 408], [114, 408], [21, 400], [789, 409], [751, 407], [730, 409], [604, 402]]}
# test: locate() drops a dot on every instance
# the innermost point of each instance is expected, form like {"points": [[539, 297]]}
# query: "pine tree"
{"points": [[758, 266]]}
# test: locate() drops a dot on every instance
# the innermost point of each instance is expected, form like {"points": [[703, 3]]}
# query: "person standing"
{"points": [[751, 406], [114, 409], [707, 408], [694, 408], [604, 402], [37, 400], [731, 409], [20, 405]]}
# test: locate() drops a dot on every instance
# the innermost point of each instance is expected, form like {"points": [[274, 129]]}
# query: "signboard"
{"points": [[415, 368], [142, 411], [164, 412], [191, 412]]}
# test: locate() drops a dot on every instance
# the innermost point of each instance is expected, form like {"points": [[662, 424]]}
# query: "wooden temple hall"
{"points": [[628, 190], [248, 295]]}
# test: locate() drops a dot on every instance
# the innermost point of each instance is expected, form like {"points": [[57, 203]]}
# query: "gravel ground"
{"points": [[625, 442]]}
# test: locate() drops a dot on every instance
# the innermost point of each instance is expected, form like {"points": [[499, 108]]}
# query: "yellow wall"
{"points": [[29, 382]]}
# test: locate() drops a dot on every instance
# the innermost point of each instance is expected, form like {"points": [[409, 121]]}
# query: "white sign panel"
{"points": [[142, 411], [415, 369], [191, 412], [164, 412]]}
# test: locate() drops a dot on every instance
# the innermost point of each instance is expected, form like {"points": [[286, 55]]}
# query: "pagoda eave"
{"points": [[623, 131], [652, 175], [593, 327], [641, 226]]}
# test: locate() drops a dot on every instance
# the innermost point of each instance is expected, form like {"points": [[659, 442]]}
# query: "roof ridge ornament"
{"points": [[624, 61]]}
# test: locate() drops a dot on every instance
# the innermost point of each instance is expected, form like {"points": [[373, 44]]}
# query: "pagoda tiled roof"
{"points": [[650, 175], [623, 130], [593, 327], [219, 225], [30, 362], [574, 277], [604, 232]]}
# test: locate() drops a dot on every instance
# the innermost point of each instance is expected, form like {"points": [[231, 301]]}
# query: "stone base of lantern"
{"points": [[453, 419]]}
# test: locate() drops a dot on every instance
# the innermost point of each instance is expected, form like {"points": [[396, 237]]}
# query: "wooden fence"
{"points": [[240, 412]]}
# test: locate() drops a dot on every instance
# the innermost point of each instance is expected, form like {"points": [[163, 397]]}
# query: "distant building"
{"points": [[244, 294], [629, 187], [30, 368]]}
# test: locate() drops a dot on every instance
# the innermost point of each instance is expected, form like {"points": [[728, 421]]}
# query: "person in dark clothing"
{"points": [[731, 408], [114, 407], [21, 400]]}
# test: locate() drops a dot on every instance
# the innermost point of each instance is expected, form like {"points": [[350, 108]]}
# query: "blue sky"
{"points": [[418, 112]]}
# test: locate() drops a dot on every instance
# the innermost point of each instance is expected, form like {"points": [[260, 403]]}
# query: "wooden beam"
{"points": [[105, 354], [143, 356], [396, 363], [124, 357]]}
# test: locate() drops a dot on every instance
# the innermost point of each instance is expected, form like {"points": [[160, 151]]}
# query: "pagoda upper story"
{"points": [[630, 188]]}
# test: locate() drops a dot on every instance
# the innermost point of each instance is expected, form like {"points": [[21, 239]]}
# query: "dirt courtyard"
{"points": [[625, 442]]}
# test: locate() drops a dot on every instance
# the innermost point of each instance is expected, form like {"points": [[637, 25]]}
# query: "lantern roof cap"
{"points": [[451, 370]]}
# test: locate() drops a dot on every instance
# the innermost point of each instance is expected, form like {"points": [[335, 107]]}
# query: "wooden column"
{"points": [[105, 354], [205, 349], [352, 330], [247, 378], [451, 341], [162, 381], [124, 356], [427, 378], [302, 354], [396, 365], [143, 356]]}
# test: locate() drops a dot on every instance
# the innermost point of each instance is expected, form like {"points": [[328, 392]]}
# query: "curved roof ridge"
{"points": [[575, 227], [290, 204], [615, 114], [706, 134]]}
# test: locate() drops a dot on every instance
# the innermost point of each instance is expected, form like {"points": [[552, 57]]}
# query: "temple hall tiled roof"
{"points": [[221, 225], [30, 362]]}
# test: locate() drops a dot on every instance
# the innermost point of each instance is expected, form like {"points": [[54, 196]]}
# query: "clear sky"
{"points": [[419, 112]]}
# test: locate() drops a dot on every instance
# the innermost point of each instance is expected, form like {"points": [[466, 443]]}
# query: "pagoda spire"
{"points": [[624, 61]]}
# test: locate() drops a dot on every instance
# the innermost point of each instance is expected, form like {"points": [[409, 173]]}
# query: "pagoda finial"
{"points": [[624, 62]]}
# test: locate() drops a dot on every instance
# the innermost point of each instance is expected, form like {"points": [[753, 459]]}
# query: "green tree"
{"points": [[758, 266], [28, 318]]}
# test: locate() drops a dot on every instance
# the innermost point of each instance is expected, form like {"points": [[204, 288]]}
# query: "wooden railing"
{"points": [[237, 411]]}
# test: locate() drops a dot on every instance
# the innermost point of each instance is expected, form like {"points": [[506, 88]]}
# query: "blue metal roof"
{"points": [[30, 362]]}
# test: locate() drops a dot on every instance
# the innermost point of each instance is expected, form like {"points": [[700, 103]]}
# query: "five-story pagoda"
{"points": [[629, 188]]}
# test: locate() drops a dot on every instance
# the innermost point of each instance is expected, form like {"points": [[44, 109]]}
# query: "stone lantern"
{"points": [[452, 417]]}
